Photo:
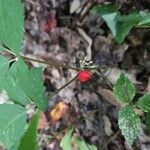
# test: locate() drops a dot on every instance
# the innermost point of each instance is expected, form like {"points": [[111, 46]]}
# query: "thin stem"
{"points": [[50, 63], [14, 59], [142, 27], [110, 139], [105, 78], [87, 11], [7, 50], [62, 87]]}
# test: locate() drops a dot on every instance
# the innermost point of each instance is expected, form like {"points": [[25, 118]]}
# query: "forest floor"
{"points": [[56, 32]]}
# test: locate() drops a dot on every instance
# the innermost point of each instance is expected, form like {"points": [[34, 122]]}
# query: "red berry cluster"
{"points": [[84, 76]]}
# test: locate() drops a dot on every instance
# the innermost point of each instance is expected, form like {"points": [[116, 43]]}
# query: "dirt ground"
{"points": [[55, 31]]}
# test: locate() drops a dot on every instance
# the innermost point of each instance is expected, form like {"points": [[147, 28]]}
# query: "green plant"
{"points": [[120, 25], [128, 120], [21, 86], [70, 140]]}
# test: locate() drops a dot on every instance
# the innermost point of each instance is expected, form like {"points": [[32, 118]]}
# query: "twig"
{"points": [[32, 2], [105, 78], [50, 63], [89, 41], [83, 6], [62, 87], [148, 27], [110, 139], [88, 9]]}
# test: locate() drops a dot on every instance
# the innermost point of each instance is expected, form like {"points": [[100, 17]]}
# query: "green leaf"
{"points": [[65, 143], [15, 146], [125, 24], [108, 13], [4, 66], [12, 124], [144, 103], [148, 120], [120, 25], [145, 20], [14, 91], [11, 24], [31, 82], [1, 46], [129, 123], [123, 89], [29, 140], [82, 145]]}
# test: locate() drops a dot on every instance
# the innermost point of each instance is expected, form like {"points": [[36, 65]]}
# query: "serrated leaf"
{"points": [[34, 87], [123, 30], [123, 89], [29, 140], [12, 124], [145, 20], [120, 25], [125, 24], [31, 82], [82, 145], [129, 123], [11, 24], [1, 46], [144, 103], [4, 66], [65, 143], [14, 91], [108, 13]]}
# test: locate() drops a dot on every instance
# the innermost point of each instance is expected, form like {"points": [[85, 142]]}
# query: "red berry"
{"points": [[84, 75]]}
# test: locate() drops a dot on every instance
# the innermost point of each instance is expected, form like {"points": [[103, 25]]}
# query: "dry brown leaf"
{"points": [[108, 95], [112, 75], [89, 41], [59, 110], [119, 51], [107, 125]]}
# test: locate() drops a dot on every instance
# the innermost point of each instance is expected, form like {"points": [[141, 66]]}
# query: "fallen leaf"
{"points": [[112, 75], [119, 51], [109, 96], [107, 125], [75, 5], [59, 110]]}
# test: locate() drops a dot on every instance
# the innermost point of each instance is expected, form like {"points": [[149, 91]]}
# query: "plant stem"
{"points": [[50, 63], [66, 67], [7, 50], [62, 87], [143, 27]]}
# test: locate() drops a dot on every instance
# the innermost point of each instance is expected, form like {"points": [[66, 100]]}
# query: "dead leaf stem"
{"points": [[51, 63]]}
